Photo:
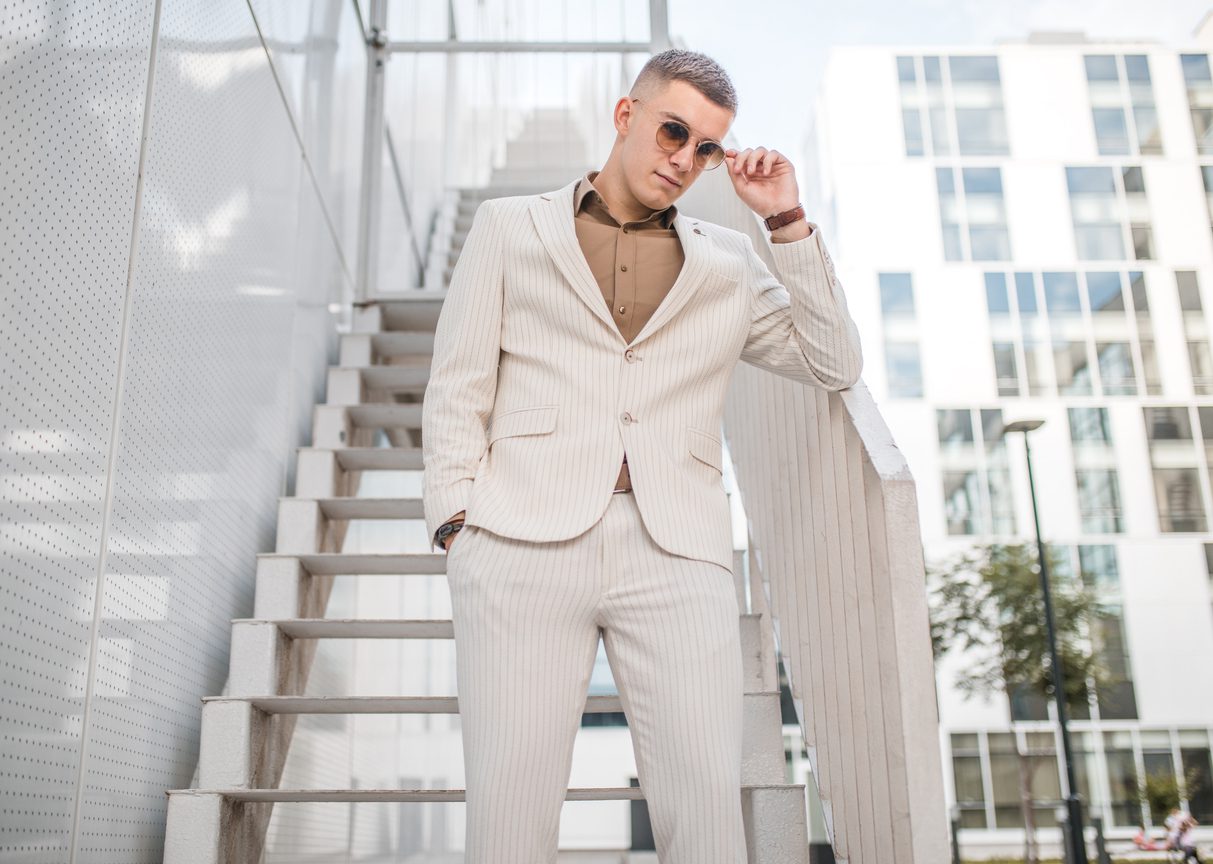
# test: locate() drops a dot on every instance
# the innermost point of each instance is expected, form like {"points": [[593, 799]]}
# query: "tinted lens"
{"points": [[672, 136], [709, 154]]}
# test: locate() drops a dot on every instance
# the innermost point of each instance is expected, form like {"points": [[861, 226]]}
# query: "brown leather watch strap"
{"points": [[784, 218]]}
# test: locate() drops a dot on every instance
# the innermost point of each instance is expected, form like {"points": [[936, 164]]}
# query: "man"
{"points": [[571, 437]]}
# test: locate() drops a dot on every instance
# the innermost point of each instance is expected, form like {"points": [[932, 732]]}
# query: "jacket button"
{"points": [[630, 354], [625, 418]]}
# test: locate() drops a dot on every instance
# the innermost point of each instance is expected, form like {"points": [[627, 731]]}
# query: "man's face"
{"points": [[657, 177]]}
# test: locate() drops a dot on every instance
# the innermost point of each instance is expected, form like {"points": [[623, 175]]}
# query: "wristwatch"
{"points": [[446, 530], [787, 216]]}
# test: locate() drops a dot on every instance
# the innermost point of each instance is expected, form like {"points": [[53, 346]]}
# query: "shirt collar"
{"points": [[587, 195]]}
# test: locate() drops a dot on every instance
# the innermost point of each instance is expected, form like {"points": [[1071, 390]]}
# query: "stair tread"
{"points": [[358, 628], [382, 704], [404, 507], [367, 563], [388, 377], [580, 793], [380, 458], [599, 704]]}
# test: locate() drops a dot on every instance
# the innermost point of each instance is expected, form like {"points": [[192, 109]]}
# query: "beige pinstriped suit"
{"points": [[534, 395]]}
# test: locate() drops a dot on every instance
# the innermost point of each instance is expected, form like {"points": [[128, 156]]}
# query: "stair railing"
{"points": [[834, 526]]}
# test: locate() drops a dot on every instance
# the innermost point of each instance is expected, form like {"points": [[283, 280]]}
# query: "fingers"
{"points": [[752, 160]]}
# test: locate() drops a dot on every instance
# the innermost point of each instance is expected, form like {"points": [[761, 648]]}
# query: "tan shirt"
{"points": [[634, 263]]}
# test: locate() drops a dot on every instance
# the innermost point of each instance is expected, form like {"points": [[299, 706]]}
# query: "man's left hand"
{"points": [[766, 182], [764, 179]]}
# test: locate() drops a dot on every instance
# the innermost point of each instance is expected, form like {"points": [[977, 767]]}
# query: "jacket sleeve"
{"points": [[463, 374], [800, 328]]}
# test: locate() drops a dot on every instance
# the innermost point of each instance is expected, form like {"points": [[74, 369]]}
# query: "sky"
{"points": [[784, 46]]}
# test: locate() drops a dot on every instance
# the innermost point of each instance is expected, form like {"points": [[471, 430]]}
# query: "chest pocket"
{"points": [[523, 421]]}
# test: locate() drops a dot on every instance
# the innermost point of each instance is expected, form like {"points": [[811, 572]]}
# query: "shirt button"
{"points": [[620, 310], [625, 418], [623, 267]]}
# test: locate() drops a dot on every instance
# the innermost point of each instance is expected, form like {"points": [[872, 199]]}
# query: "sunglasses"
{"points": [[672, 136]]}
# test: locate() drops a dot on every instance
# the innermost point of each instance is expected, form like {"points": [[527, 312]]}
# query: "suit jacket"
{"points": [[534, 395]]}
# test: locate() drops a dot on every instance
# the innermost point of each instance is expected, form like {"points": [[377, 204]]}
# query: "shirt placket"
{"points": [[625, 280]]}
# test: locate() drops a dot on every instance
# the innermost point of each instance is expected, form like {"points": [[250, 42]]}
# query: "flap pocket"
{"points": [[523, 421], [705, 447]]}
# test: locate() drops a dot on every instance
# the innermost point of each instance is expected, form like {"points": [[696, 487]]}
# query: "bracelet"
{"points": [[784, 218]]}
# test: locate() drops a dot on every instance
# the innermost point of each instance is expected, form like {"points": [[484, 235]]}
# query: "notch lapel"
{"points": [[552, 213]]}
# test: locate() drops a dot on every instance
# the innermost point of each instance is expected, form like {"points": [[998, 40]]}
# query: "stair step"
{"points": [[384, 415], [359, 628], [384, 704], [368, 508], [412, 310], [394, 343], [366, 564], [395, 378], [595, 793], [375, 458]]}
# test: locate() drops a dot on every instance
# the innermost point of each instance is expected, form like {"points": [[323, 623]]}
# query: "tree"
{"points": [[988, 605]]}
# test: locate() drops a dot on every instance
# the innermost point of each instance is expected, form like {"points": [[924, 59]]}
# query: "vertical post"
{"points": [[1101, 847], [659, 26], [1076, 840], [956, 835], [372, 153]]}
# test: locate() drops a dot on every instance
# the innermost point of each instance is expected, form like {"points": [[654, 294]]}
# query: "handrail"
{"points": [[834, 530]]}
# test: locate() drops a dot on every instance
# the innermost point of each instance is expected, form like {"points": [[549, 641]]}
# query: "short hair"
{"points": [[699, 70]]}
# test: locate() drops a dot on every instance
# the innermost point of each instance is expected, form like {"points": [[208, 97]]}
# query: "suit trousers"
{"points": [[527, 617]]}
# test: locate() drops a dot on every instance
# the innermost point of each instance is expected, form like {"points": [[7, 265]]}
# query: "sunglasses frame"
{"points": [[657, 135]]}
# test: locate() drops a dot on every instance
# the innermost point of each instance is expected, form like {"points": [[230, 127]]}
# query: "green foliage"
{"points": [[988, 604], [1163, 792]]}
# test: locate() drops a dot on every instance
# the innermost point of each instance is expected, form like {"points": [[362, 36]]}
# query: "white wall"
{"points": [[168, 267]]}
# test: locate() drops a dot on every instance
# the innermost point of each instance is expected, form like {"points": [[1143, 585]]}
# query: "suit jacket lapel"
{"points": [[552, 213]]}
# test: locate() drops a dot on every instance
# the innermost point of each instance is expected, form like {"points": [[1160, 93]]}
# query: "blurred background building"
{"points": [[1024, 232]]}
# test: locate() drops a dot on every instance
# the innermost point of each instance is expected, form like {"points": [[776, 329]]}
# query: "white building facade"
{"points": [[1024, 232]]}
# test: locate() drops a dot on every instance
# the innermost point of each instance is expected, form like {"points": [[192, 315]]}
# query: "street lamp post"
{"points": [[1077, 841]]}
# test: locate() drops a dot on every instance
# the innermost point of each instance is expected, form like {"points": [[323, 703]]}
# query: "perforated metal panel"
{"points": [[72, 89], [145, 432]]}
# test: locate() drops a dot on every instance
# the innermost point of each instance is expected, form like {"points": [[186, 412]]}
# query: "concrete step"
{"points": [[354, 385], [315, 524], [322, 472], [217, 825], [336, 425], [368, 349], [361, 563], [359, 628], [232, 727], [415, 309], [379, 704]]}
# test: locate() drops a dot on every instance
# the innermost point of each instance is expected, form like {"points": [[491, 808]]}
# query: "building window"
{"points": [[952, 105], [968, 780], [1116, 697], [1196, 331], [972, 213], [1206, 176], [1095, 471], [976, 475], [1076, 328], [1124, 803], [1122, 105], [1177, 470], [903, 363], [1110, 212], [1200, 99]]}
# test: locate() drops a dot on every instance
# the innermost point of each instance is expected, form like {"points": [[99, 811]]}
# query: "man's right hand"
{"points": [[446, 543]]}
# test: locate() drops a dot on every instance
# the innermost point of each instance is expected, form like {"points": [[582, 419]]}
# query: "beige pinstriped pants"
{"points": [[527, 617]]}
